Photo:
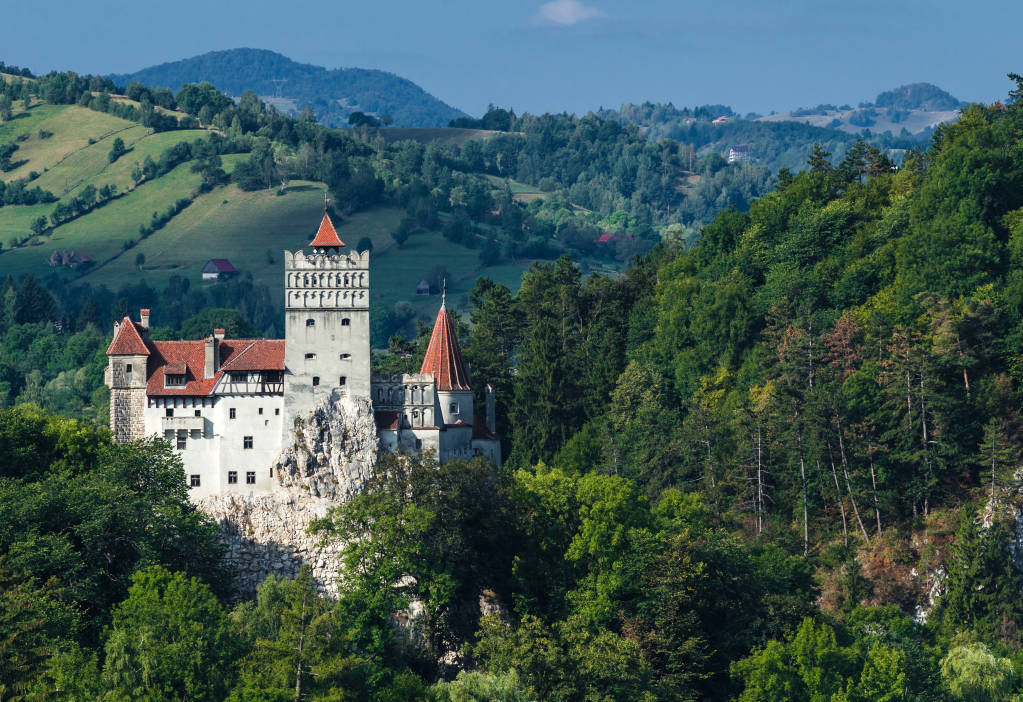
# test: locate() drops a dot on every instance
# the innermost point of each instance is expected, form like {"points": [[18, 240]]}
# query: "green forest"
{"points": [[774, 457]]}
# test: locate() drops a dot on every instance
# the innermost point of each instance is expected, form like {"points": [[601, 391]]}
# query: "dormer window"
{"points": [[175, 380]]}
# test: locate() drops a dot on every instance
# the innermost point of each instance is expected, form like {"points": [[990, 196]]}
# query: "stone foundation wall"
{"points": [[127, 413], [326, 460]]}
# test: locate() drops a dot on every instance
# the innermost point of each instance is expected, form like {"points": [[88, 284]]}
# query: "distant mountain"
{"points": [[914, 109], [289, 85]]}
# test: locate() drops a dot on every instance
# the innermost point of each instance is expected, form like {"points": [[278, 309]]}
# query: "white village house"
{"points": [[226, 405]]}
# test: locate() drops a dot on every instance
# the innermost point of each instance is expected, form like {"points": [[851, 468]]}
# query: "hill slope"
{"points": [[289, 85]]}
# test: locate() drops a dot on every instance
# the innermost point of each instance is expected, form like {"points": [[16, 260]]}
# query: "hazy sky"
{"points": [[572, 55]]}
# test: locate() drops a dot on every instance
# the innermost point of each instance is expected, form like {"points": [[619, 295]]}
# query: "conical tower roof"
{"points": [[326, 235], [443, 358]]}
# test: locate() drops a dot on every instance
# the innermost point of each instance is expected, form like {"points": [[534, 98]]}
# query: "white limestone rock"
{"points": [[325, 462]]}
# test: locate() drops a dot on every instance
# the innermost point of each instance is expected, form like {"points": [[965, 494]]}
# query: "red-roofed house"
{"points": [[218, 269]]}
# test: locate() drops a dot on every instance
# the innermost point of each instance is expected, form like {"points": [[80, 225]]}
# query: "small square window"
{"points": [[310, 322], [310, 356], [346, 322], [169, 412], [277, 411], [250, 477], [454, 408], [316, 380], [231, 413], [247, 442], [127, 368], [198, 413], [193, 480], [261, 410], [342, 380], [232, 477]]}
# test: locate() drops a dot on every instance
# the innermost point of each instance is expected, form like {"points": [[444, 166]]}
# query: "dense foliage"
{"points": [[734, 471]]}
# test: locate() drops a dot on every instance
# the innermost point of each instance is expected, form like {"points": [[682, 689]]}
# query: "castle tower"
{"points": [[326, 312], [126, 377], [443, 360]]}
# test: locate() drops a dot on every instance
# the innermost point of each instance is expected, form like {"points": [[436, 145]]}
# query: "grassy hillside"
{"points": [[69, 145]]}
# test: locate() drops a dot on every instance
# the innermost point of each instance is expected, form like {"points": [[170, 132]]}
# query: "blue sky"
{"points": [[571, 55]]}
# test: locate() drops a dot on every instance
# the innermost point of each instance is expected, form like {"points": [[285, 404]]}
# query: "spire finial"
{"points": [[444, 293]]}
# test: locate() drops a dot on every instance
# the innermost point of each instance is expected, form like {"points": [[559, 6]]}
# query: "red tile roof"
{"points": [[221, 264], [480, 430], [443, 359], [170, 357], [252, 354], [386, 419], [127, 341], [326, 235]]}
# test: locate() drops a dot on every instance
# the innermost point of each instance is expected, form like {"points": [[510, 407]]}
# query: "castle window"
{"points": [[277, 411], [232, 477], [127, 368], [198, 413], [453, 408], [231, 413], [341, 380], [309, 356], [419, 443], [168, 412], [345, 356], [250, 477], [193, 480], [316, 380], [182, 438], [261, 410], [310, 322], [247, 442], [346, 322]]}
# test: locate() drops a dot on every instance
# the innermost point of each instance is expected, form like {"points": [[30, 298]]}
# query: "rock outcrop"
{"points": [[327, 460]]}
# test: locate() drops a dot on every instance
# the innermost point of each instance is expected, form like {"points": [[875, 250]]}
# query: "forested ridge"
{"points": [[776, 464]]}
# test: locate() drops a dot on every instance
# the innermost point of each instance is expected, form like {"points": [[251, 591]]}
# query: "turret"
{"points": [[443, 360], [326, 321], [126, 375]]}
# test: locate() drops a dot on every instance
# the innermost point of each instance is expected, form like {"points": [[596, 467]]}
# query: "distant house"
{"points": [[423, 288], [70, 259], [720, 120], [218, 269], [738, 153]]}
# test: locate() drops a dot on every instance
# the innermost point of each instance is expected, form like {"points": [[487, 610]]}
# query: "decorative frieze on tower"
{"points": [[326, 298]]}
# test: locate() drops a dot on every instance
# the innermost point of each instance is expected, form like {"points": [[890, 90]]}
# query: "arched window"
{"points": [[346, 322], [310, 322]]}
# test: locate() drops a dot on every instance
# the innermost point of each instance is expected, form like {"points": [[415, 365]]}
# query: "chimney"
{"points": [[144, 318], [491, 410], [219, 334], [210, 366]]}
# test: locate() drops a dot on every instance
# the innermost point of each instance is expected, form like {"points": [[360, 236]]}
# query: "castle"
{"points": [[228, 406]]}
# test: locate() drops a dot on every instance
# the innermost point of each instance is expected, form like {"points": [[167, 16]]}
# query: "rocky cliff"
{"points": [[327, 460]]}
